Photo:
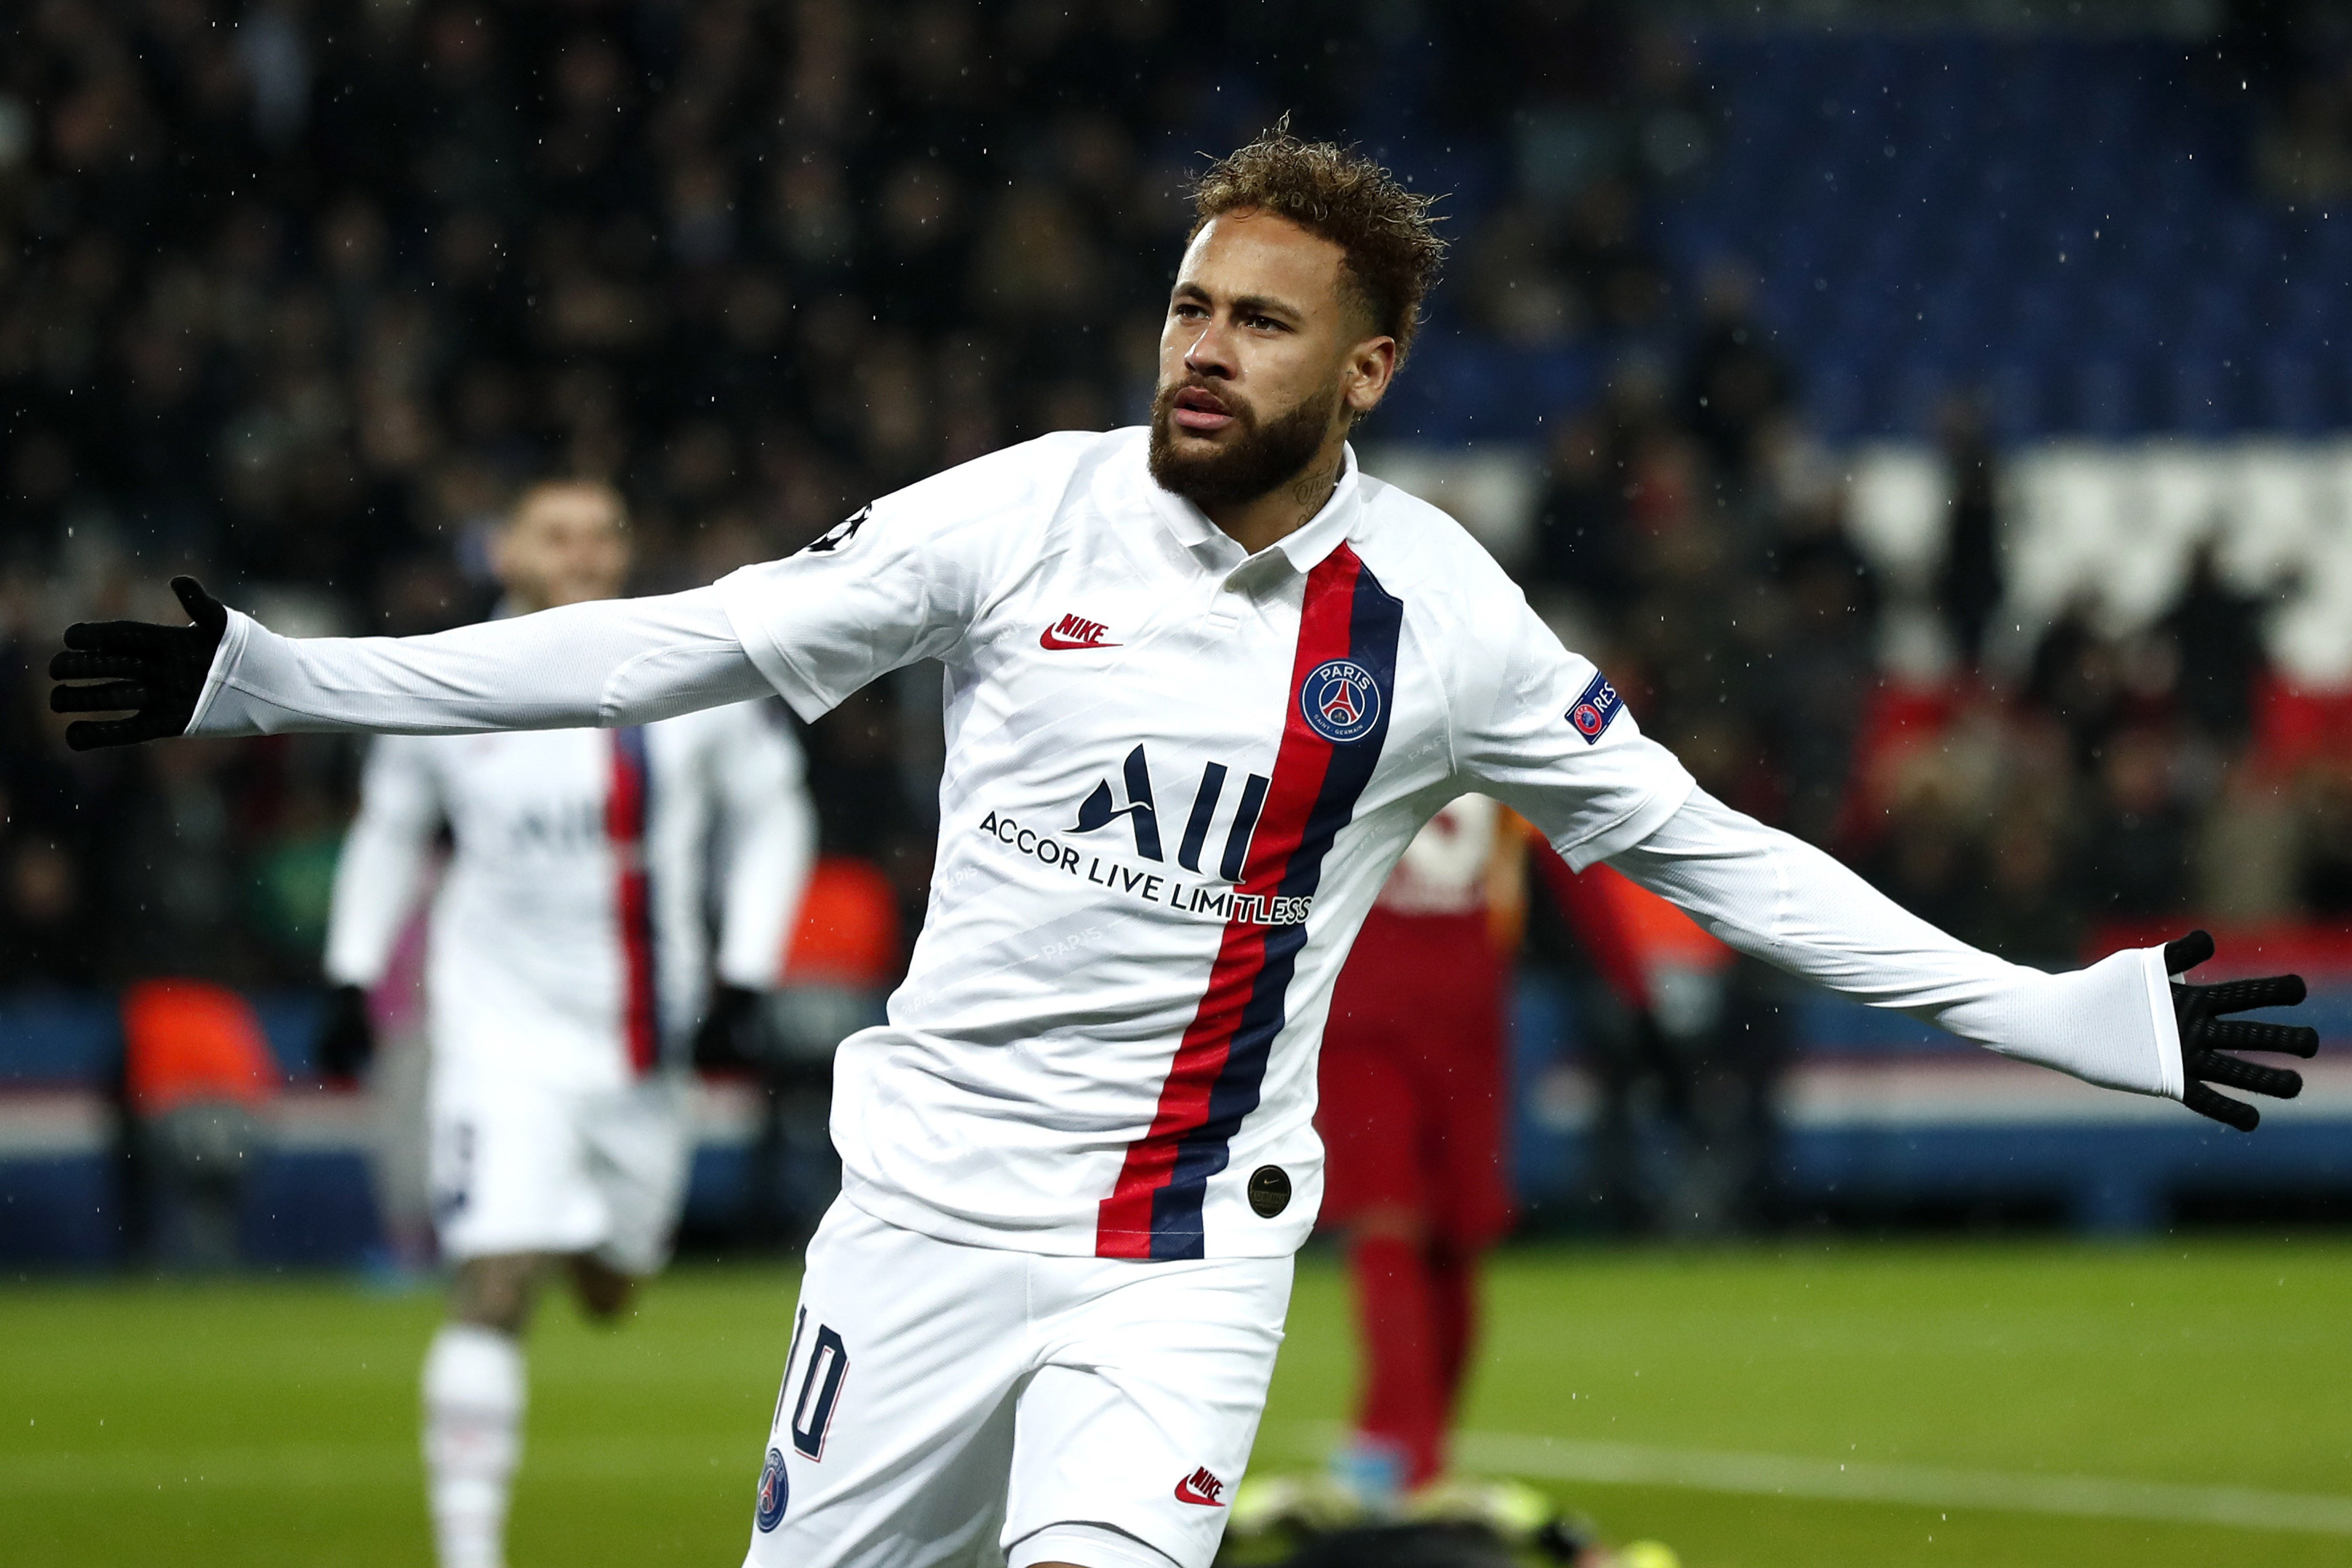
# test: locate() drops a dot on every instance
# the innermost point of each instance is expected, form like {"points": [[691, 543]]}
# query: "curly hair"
{"points": [[1388, 233]]}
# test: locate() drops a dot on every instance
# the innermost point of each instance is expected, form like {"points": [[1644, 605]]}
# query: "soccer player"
{"points": [[1411, 1110], [1203, 682], [569, 964]]}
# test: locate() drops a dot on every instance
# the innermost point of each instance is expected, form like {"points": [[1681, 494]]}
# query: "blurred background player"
{"points": [[1414, 1111], [569, 966]]}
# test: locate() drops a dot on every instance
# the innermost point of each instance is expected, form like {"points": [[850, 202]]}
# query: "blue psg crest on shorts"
{"points": [[773, 1489], [1340, 701], [1592, 712]]}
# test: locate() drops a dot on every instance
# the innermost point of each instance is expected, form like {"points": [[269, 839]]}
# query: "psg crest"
{"points": [[1340, 701], [772, 1491]]}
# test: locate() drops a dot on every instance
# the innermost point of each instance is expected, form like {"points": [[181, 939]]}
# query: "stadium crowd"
{"points": [[297, 295]]}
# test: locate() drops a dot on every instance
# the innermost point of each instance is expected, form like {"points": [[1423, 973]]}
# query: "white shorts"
{"points": [[946, 1404], [522, 1168]]}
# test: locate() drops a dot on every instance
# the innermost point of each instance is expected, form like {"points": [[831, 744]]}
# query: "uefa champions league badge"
{"points": [[1592, 712], [1340, 701], [773, 1490]]}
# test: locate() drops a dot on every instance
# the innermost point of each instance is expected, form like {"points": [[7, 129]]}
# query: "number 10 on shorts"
{"points": [[820, 1391]]}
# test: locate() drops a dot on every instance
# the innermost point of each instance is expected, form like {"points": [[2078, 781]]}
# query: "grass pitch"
{"points": [[1990, 1405]]}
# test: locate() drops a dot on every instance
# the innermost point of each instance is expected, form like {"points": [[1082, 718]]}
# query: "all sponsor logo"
{"points": [[773, 1491], [1340, 701], [1594, 708], [1129, 796], [1073, 632], [1101, 808], [1144, 885], [1202, 1488]]}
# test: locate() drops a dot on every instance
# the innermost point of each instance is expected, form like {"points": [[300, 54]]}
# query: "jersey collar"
{"points": [[1304, 547]]}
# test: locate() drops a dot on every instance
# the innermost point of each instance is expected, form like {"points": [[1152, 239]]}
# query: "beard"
{"points": [[1261, 457]]}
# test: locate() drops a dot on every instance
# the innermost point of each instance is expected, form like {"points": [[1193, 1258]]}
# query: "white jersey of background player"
{"points": [[568, 964], [1204, 684]]}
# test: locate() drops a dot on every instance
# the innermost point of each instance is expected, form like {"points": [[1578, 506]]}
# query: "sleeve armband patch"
{"points": [[1592, 712]]}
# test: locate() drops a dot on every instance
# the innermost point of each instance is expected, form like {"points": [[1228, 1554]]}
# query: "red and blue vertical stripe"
{"points": [[1215, 1081], [628, 807]]}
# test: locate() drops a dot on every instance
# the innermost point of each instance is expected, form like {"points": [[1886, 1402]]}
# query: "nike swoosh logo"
{"points": [[1046, 640], [1185, 1493]]}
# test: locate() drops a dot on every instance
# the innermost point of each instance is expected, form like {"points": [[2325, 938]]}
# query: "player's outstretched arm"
{"points": [[2123, 1022], [614, 661]]}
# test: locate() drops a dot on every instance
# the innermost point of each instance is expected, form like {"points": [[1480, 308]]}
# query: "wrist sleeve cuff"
{"points": [[2171, 1068], [226, 659]]}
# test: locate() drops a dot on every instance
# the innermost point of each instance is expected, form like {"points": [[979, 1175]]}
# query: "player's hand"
{"points": [[2206, 1039], [347, 1039], [153, 672], [729, 1037]]}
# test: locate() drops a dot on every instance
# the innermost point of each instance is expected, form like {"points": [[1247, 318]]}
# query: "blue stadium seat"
{"points": [[2289, 394], [59, 1038], [2203, 395], [2016, 398], [2107, 400], [2184, 302]]}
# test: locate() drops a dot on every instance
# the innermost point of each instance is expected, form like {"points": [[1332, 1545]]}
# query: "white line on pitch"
{"points": [[1926, 1486], [296, 1467]]}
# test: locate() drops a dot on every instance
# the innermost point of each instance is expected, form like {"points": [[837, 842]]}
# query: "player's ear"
{"points": [[1371, 366]]}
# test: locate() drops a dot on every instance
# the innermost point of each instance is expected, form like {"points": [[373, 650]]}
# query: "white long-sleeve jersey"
{"points": [[1176, 779], [569, 940]]}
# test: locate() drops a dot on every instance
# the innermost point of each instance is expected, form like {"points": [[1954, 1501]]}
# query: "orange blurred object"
{"points": [[1629, 932], [848, 929], [184, 1041], [1661, 934]]}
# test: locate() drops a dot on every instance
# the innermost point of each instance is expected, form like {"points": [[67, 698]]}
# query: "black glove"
{"points": [[155, 672], [347, 1039], [731, 1033], [2207, 1038]]}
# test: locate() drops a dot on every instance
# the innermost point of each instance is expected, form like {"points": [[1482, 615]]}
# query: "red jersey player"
{"points": [[1412, 1115]]}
